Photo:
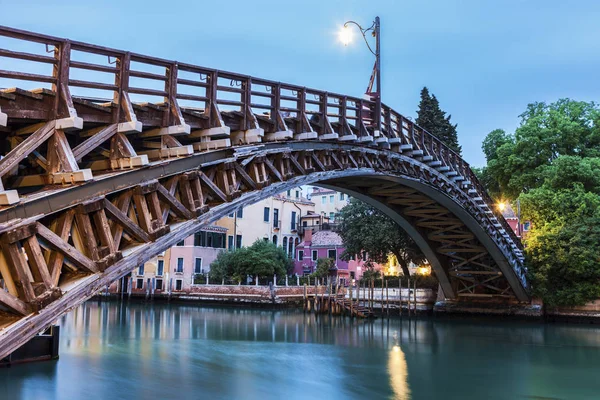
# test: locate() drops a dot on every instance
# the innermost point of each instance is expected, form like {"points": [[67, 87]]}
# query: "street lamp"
{"points": [[501, 206], [346, 38]]}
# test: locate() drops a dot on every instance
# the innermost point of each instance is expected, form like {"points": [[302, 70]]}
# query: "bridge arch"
{"points": [[92, 187]]}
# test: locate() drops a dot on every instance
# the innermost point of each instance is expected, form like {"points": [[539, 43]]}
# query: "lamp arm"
{"points": [[363, 32]]}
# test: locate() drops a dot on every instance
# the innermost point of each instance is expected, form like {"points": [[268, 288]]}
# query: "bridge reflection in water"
{"points": [[119, 350]]}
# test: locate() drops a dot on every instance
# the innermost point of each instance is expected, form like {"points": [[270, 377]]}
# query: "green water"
{"points": [[162, 351]]}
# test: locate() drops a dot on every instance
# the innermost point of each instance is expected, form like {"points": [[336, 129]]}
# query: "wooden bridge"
{"points": [[111, 157]]}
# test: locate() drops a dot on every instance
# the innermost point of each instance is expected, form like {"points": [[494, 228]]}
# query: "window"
{"points": [[275, 218], [141, 270], [332, 216], [198, 266], [285, 242], [160, 268], [342, 196], [275, 240], [238, 241], [332, 254], [231, 215], [364, 256], [526, 226], [331, 199], [289, 193], [198, 239], [297, 194], [182, 243], [230, 242], [266, 214], [139, 284], [300, 255], [291, 248], [293, 220], [323, 199], [159, 284], [240, 213], [304, 223], [178, 284], [179, 265], [315, 255]]}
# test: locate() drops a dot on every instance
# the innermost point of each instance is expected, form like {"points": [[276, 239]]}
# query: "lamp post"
{"points": [[346, 37]]}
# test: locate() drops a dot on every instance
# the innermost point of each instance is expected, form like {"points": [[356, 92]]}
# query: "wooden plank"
{"points": [[272, 169], [123, 204], [66, 249], [175, 205], [28, 145], [103, 229], [60, 157], [212, 187], [19, 271], [56, 259], [143, 213], [39, 268], [245, 177], [125, 222], [102, 135], [13, 303], [86, 232]]}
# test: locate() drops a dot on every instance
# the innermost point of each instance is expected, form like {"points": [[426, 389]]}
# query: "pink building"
{"points": [[325, 244], [509, 215]]}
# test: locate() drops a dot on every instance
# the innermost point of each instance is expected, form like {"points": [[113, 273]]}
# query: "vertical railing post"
{"points": [[211, 93], [246, 102], [275, 103], [63, 104]]}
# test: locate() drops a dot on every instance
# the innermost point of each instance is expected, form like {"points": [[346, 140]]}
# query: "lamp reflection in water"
{"points": [[398, 371]]}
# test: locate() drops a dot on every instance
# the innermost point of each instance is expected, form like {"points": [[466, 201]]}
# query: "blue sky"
{"points": [[484, 60]]}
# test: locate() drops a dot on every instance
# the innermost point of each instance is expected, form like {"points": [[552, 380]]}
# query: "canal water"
{"points": [[115, 350]]}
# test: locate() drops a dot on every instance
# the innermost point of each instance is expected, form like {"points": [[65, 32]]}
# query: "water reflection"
{"points": [[121, 350]]}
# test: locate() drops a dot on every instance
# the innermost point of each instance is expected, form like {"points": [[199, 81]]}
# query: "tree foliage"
{"points": [[323, 267], [552, 165], [364, 228], [263, 258], [546, 132], [431, 117]]}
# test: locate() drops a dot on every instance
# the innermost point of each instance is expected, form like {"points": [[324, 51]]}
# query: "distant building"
{"points": [[328, 202], [511, 217]]}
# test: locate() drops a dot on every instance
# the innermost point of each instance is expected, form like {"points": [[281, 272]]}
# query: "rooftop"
{"points": [[326, 238]]}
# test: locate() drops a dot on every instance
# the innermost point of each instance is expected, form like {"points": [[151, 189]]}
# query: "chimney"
{"points": [[308, 236]]}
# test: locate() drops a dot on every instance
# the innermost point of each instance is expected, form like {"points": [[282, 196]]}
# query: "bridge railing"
{"points": [[99, 74]]}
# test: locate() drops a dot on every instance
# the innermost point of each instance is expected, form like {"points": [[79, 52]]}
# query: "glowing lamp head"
{"points": [[501, 206], [345, 35], [423, 270]]}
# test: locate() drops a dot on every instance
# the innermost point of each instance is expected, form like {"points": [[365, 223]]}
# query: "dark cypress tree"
{"points": [[431, 117]]}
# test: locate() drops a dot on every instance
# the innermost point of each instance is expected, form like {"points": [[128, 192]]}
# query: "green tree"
{"points": [[546, 132], [323, 267], [263, 258], [431, 117], [364, 228]]}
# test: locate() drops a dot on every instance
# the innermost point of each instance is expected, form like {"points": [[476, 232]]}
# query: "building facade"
{"points": [[328, 202]]}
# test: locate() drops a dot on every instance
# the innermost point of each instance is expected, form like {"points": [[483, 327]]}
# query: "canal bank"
{"points": [[382, 301]]}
